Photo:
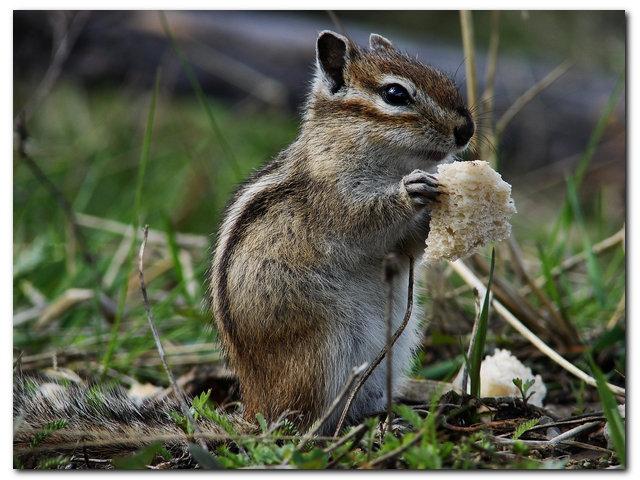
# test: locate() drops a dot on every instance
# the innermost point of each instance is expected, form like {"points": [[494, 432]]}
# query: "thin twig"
{"points": [[382, 354], [548, 443], [391, 270], [144, 160], [163, 358], [468, 276], [363, 427], [356, 434]]}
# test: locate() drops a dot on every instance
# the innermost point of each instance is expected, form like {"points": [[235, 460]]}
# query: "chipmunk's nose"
{"points": [[464, 133]]}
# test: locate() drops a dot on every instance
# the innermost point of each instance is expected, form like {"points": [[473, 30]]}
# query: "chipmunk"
{"points": [[295, 282]]}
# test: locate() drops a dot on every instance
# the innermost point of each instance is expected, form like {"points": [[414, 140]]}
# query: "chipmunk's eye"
{"points": [[396, 94]]}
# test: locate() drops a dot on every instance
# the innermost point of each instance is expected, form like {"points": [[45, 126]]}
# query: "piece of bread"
{"points": [[474, 211], [497, 373], [496, 378]]}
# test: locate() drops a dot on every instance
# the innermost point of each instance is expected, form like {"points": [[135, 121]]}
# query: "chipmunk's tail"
{"points": [[84, 426]]}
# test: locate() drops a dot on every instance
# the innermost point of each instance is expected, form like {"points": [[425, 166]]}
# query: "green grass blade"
{"points": [[175, 256], [202, 99], [557, 243], [610, 407], [601, 126], [467, 366], [481, 335], [146, 145], [592, 266]]}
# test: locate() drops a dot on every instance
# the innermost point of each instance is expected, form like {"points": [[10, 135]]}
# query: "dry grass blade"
{"points": [[82, 355], [466, 24], [43, 360], [238, 74], [36, 297], [356, 435], [184, 240], [154, 271], [529, 95], [118, 259], [554, 441], [560, 321], [336, 22], [550, 326], [359, 430], [618, 314], [467, 275], [486, 100], [65, 302], [184, 257], [26, 315]]}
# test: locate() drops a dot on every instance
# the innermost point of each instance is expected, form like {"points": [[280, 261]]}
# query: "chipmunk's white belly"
{"points": [[362, 336]]}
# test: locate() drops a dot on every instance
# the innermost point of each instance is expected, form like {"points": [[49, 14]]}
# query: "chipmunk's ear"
{"points": [[380, 44], [332, 56]]}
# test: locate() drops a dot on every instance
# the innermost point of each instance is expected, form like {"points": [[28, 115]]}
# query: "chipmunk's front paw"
{"points": [[422, 188]]}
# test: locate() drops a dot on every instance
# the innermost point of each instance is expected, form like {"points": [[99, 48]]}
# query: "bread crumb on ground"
{"points": [[497, 373]]}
